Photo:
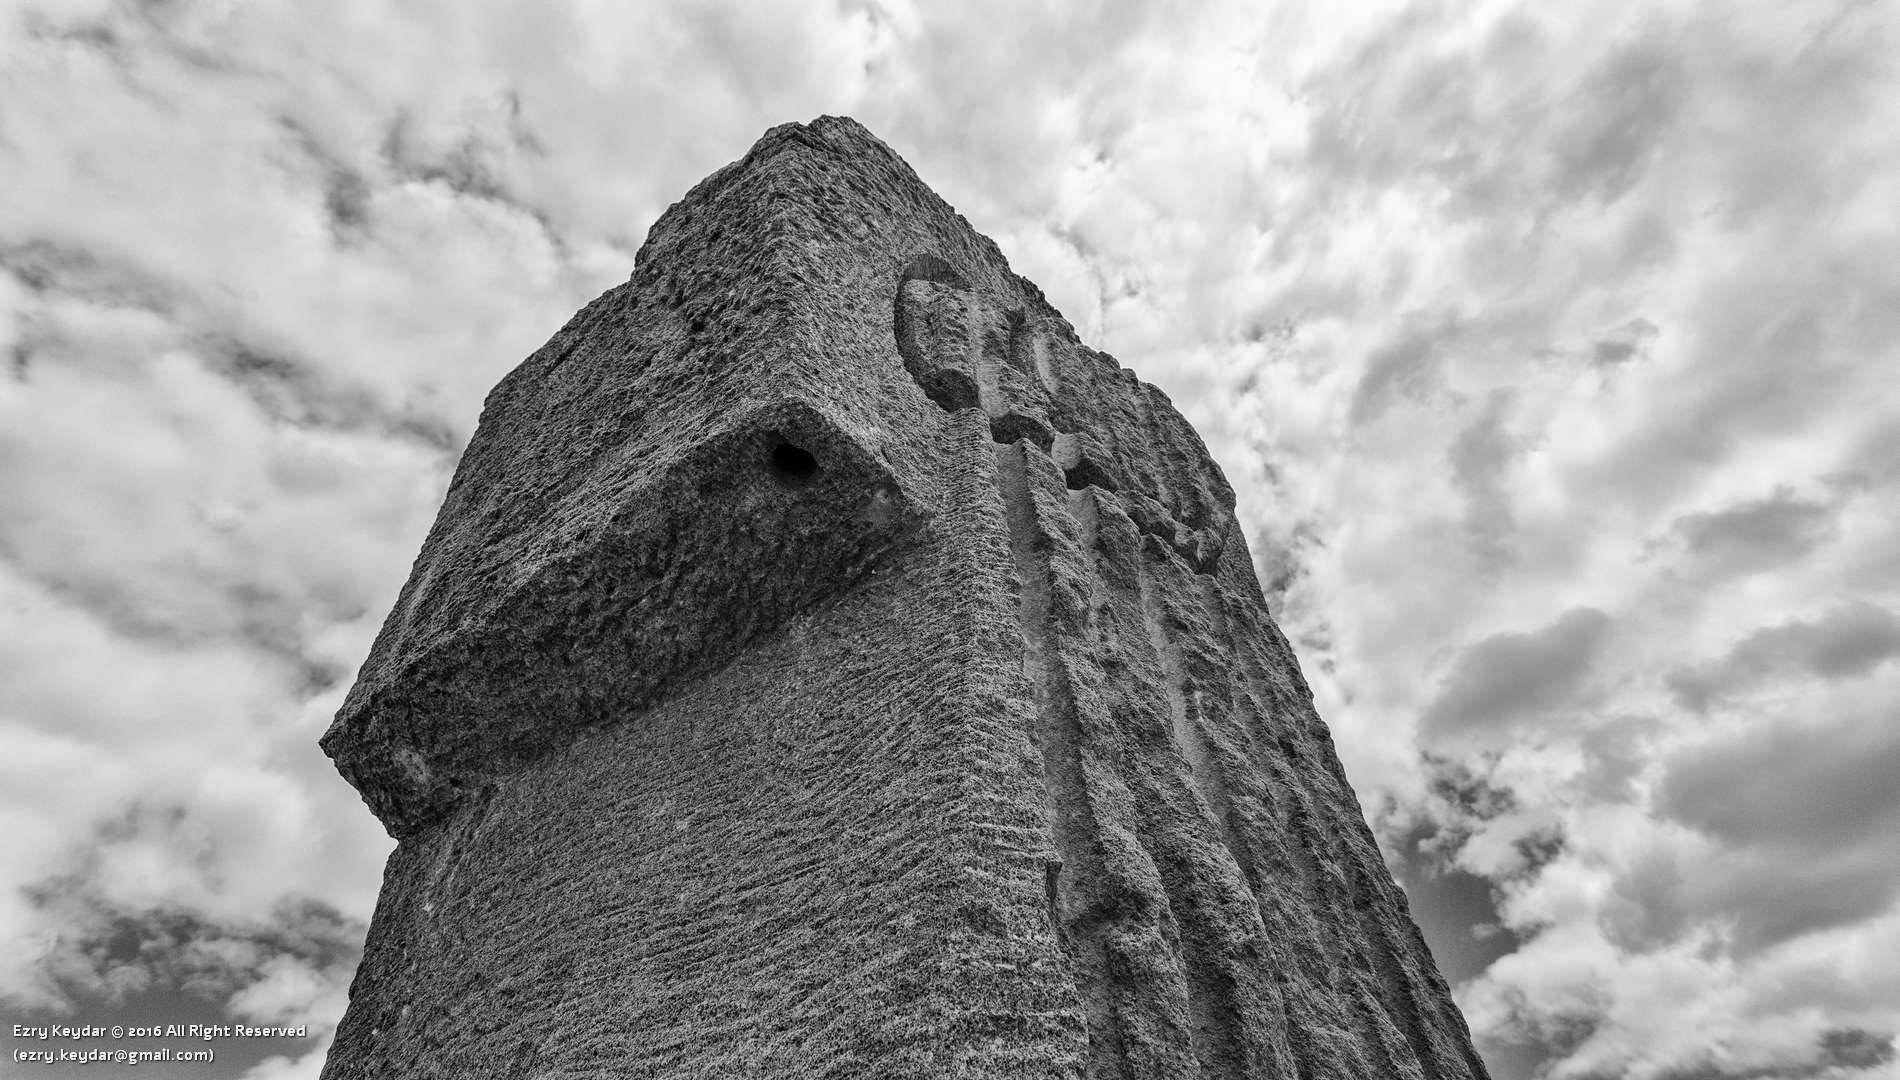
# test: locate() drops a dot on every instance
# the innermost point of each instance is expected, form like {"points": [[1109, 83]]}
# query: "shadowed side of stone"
{"points": [[824, 664]]}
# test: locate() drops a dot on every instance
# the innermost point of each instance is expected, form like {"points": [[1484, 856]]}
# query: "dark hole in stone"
{"points": [[792, 464]]}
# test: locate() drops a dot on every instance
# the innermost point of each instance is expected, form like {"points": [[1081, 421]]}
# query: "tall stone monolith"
{"points": [[825, 665]]}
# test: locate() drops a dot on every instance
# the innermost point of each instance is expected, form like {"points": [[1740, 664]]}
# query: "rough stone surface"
{"points": [[824, 665]]}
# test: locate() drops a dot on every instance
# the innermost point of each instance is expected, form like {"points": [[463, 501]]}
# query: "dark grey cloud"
{"points": [[1771, 902], [1510, 679], [298, 392], [1763, 898], [1479, 456], [86, 33], [114, 934], [1874, 458], [1399, 113], [1854, 1048], [1467, 793], [1848, 640], [112, 963], [1457, 910], [1364, 102], [1759, 533], [1628, 341], [113, 955], [1636, 93], [48, 266], [1835, 1049], [1808, 823], [1807, 787], [1646, 909], [1406, 366], [348, 193], [473, 166], [1615, 751]]}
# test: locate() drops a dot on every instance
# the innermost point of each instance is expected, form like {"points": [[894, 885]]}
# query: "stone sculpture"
{"points": [[824, 665]]}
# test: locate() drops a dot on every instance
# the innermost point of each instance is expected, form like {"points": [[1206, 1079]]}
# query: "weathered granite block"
{"points": [[825, 665]]}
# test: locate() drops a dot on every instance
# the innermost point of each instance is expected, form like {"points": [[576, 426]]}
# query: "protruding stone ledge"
{"points": [[776, 511]]}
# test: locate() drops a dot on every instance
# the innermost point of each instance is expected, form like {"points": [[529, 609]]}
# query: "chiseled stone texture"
{"points": [[824, 665]]}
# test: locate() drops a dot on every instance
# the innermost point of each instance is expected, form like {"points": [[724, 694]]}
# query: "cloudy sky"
{"points": [[1550, 347]]}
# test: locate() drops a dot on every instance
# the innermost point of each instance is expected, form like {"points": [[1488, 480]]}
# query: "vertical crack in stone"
{"points": [[1284, 875], [1065, 785], [1237, 1020], [1186, 714], [989, 351], [1157, 463], [1321, 862], [1221, 1046]]}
